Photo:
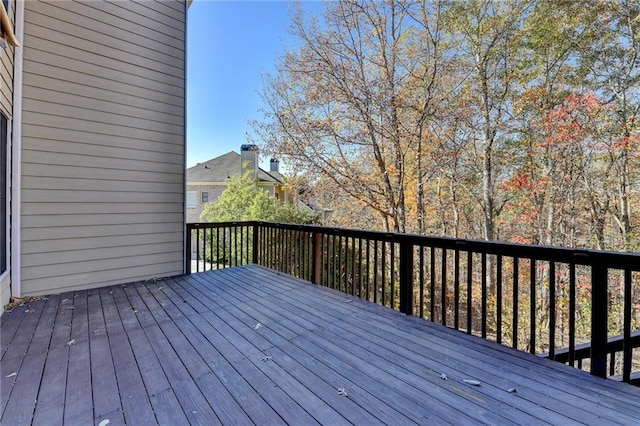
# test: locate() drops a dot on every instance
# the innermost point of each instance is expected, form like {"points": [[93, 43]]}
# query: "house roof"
{"points": [[224, 167]]}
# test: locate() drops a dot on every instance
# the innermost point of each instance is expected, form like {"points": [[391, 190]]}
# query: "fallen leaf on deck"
{"points": [[258, 325], [105, 422], [472, 382], [266, 358], [511, 390], [30, 311], [348, 301], [342, 392], [12, 374], [71, 342], [443, 376]]}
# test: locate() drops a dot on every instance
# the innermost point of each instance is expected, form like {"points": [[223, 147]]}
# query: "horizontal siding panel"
{"points": [[40, 36], [6, 72], [71, 184], [54, 171], [148, 20], [51, 232], [52, 121], [65, 69], [174, 5], [70, 257], [136, 105], [33, 247], [82, 160], [165, 35], [154, 11], [60, 269], [57, 208], [53, 108], [105, 106], [97, 146], [102, 219], [100, 278], [65, 55], [91, 29], [65, 196]]}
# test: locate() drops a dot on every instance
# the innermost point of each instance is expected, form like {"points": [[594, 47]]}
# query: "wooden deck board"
{"points": [[248, 345], [582, 409]]}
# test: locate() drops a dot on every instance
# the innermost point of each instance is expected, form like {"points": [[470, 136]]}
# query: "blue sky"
{"points": [[230, 44]]}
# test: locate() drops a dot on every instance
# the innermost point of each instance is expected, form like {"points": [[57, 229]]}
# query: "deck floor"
{"points": [[247, 345]]}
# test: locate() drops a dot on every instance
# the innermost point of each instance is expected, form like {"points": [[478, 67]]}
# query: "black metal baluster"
{"points": [[432, 283], [552, 310], [443, 294], [375, 271], [421, 278], [469, 292], [484, 295], [627, 349], [393, 274], [384, 283], [456, 289], [360, 268], [572, 313], [532, 306], [516, 271], [499, 298]]}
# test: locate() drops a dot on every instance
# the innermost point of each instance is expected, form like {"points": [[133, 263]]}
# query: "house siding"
{"points": [[6, 71], [102, 143]]}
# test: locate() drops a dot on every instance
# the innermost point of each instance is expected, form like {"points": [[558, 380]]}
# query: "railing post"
{"points": [[255, 244], [406, 277], [599, 319], [187, 252], [316, 259]]}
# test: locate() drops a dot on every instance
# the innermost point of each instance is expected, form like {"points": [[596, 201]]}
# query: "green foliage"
{"points": [[244, 200]]}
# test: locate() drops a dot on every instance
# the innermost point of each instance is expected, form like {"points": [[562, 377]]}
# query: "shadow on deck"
{"points": [[248, 345]]}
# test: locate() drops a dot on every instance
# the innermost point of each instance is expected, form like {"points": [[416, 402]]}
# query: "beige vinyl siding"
{"points": [[102, 143], [6, 71]]}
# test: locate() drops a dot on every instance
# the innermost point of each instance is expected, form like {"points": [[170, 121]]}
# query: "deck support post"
{"points": [[599, 319], [254, 256], [406, 277], [316, 260]]}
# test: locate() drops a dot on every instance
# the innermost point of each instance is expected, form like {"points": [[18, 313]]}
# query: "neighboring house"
{"points": [[92, 156], [206, 181]]}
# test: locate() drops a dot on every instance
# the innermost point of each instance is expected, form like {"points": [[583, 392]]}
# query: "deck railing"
{"points": [[580, 307]]}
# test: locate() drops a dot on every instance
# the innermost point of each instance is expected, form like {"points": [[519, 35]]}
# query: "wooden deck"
{"points": [[247, 345]]}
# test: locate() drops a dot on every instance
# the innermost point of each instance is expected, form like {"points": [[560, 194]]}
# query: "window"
{"points": [[192, 199], [205, 197], [3, 193]]}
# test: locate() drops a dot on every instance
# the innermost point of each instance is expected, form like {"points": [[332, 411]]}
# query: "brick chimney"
{"points": [[249, 159], [274, 164]]}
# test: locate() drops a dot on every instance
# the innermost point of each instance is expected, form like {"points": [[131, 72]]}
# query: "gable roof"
{"points": [[224, 167]]}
